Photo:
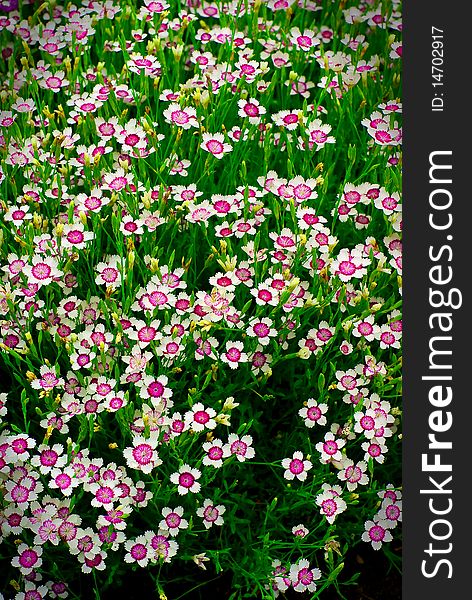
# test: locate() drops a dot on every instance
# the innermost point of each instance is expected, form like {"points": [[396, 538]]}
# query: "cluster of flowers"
{"points": [[135, 281]]}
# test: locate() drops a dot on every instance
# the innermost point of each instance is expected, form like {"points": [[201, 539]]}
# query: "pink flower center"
{"points": [[201, 417], [330, 447], [329, 507], [173, 520], [367, 423], [346, 267], [211, 513], [132, 139], [296, 466], [238, 447], [143, 454], [233, 355], [215, 147], [376, 533], [155, 389], [186, 480], [215, 453], [41, 271], [313, 413]]}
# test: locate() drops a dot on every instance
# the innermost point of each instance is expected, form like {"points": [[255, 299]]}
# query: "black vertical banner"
{"points": [[437, 282]]}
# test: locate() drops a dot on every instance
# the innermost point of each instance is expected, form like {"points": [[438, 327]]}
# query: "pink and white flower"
{"points": [[303, 577], [296, 467], [186, 478], [215, 144], [142, 455], [376, 533], [211, 513]]}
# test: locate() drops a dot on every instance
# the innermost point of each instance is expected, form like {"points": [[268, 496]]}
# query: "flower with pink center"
{"points": [[303, 577], [181, 117], [155, 389], [32, 589], [388, 203], [93, 561], [330, 502], [28, 558], [143, 65], [155, 7], [265, 295], [42, 271], [305, 41], [396, 50], [376, 533], [234, 354], [227, 281], [118, 180], [24, 105], [216, 452], [186, 478], [105, 495], [138, 551], [211, 513], [170, 348], [200, 418], [57, 589], [49, 457], [349, 381], [390, 512], [296, 467], [366, 328], [109, 272], [388, 338], [85, 103], [82, 358], [349, 264], [353, 474], [172, 520], [132, 137], [251, 109], [200, 213], [17, 215], [85, 542], [300, 531], [63, 479], [241, 447], [74, 236], [107, 129], [279, 580], [142, 455], [261, 328], [285, 240], [313, 413], [92, 202], [330, 448], [176, 425], [205, 348], [215, 144], [53, 82], [368, 422], [162, 547], [129, 226], [374, 449], [48, 379], [318, 136], [287, 119], [18, 493], [181, 193], [300, 86], [19, 446]]}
